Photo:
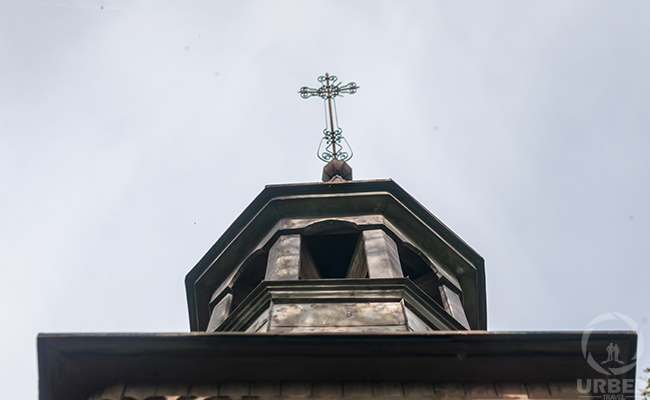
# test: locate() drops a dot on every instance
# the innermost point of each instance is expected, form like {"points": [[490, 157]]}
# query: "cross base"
{"points": [[336, 168]]}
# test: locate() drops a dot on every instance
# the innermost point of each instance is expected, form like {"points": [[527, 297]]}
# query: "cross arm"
{"points": [[335, 90], [307, 92], [350, 88]]}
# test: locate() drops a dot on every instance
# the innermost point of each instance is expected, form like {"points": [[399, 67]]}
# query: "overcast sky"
{"points": [[132, 133]]}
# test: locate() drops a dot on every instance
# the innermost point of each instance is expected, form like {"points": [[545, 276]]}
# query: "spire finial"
{"points": [[336, 147]]}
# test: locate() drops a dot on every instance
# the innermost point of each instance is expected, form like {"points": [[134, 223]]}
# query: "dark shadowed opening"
{"points": [[251, 275], [332, 254]]}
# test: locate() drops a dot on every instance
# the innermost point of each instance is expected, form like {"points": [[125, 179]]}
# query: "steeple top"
{"points": [[333, 145]]}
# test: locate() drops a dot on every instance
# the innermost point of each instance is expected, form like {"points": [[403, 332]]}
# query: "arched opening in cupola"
{"points": [[249, 277], [418, 270], [328, 251]]}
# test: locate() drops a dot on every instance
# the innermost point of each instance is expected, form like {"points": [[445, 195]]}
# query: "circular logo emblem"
{"points": [[613, 365]]}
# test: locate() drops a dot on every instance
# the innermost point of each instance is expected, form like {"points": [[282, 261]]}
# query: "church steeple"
{"points": [[333, 148], [358, 256], [306, 262]]}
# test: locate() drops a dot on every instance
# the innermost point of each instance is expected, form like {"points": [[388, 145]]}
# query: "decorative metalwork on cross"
{"points": [[335, 146]]}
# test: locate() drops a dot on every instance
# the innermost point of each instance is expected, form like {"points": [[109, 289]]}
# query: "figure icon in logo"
{"points": [[616, 351], [612, 354]]}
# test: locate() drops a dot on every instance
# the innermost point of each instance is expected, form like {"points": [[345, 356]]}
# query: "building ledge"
{"points": [[72, 366]]}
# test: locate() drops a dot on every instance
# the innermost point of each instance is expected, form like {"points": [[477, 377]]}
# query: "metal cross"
{"points": [[332, 134]]}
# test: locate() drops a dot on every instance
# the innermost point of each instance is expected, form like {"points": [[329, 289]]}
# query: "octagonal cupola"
{"points": [[337, 256]]}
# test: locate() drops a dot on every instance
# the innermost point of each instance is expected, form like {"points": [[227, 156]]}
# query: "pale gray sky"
{"points": [[132, 135]]}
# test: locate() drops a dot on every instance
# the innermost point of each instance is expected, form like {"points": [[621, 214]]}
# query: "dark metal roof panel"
{"points": [[73, 366]]}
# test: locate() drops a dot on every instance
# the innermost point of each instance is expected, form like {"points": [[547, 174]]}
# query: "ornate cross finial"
{"points": [[336, 147]]}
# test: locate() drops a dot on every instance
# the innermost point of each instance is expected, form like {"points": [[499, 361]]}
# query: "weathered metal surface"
{"points": [[359, 263], [341, 329], [308, 269], [220, 312], [454, 305], [336, 290], [337, 168], [260, 324], [337, 314], [284, 259], [355, 221], [381, 255], [414, 322], [339, 292], [406, 219], [443, 272]]}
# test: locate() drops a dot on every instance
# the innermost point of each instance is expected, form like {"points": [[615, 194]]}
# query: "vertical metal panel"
{"points": [[308, 269], [220, 313], [261, 323], [415, 323], [381, 255], [453, 305], [284, 259], [358, 264]]}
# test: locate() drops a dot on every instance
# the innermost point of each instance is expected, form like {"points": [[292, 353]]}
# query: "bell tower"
{"points": [[337, 256], [336, 290]]}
